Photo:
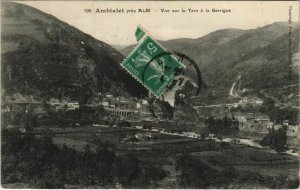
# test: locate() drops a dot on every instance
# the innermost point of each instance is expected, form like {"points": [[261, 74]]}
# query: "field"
{"points": [[163, 149], [246, 159]]}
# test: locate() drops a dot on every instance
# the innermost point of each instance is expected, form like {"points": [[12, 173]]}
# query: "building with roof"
{"points": [[253, 122]]}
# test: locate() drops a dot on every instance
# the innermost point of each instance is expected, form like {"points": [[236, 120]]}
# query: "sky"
{"points": [[119, 28]]}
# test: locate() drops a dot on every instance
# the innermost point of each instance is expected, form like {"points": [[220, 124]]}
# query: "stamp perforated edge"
{"points": [[122, 64]]}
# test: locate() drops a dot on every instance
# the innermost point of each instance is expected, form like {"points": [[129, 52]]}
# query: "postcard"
{"points": [[144, 94]]}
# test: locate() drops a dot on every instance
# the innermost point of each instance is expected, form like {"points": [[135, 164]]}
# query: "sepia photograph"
{"points": [[150, 95]]}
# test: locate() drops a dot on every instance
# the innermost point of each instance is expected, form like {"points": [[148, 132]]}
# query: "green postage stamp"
{"points": [[157, 75]]}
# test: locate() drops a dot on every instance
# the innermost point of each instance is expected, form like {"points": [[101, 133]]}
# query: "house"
{"points": [[8, 98], [22, 130], [13, 126], [129, 138], [181, 95], [105, 103], [72, 105], [191, 134], [39, 110], [207, 136], [241, 119], [285, 122], [298, 134], [55, 105], [143, 136], [259, 102], [276, 127], [5, 109], [109, 96], [292, 130], [139, 127], [144, 102]]}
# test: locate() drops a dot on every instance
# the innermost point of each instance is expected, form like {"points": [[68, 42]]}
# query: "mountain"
{"points": [[47, 58], [260, 56]]}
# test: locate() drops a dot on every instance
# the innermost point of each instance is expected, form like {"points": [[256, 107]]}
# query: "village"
{"points": [[19, 110]]}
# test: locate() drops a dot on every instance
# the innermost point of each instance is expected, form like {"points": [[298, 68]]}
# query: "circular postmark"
{"points": [[177, 71]]}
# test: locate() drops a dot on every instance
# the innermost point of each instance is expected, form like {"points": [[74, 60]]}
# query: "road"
{"points": [[231, 91], [220, 105], [193, 135]]}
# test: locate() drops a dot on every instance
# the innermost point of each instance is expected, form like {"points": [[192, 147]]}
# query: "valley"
{"points": [[71, 117]]}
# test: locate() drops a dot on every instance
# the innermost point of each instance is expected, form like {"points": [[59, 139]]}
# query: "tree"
{"points": [[194, 173], [276, 139], [38, 162], [225, 126], [128, 170], [105, 166]]}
